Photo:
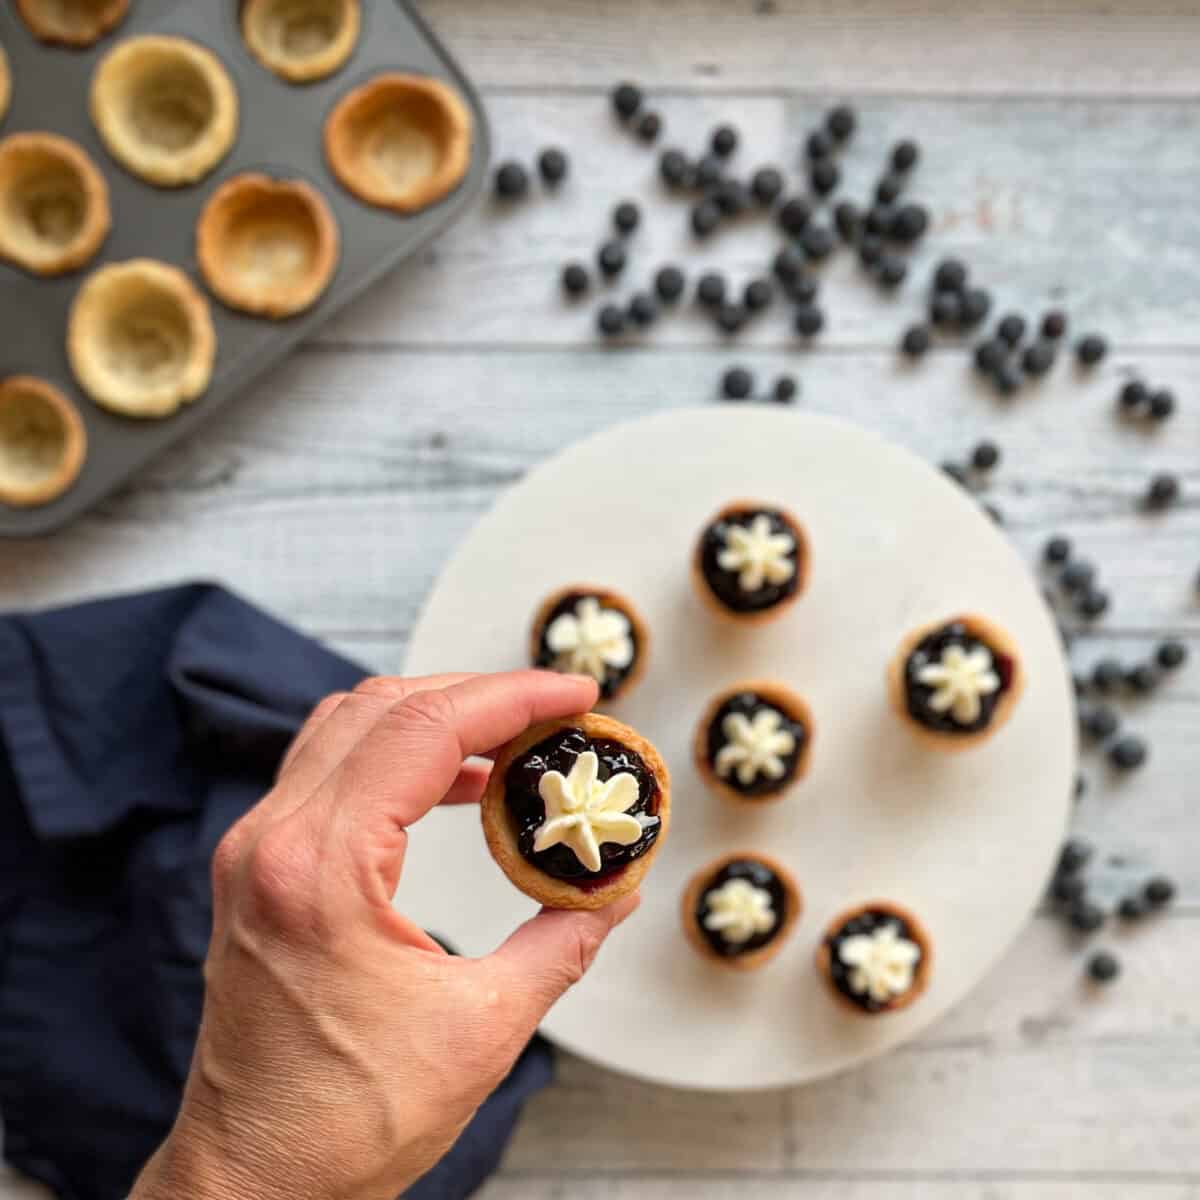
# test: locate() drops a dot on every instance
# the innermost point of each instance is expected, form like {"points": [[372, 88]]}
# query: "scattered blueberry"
{"points": [[642, 309], [880, 219], [1143, 678], [1093, 603], [626, 216], [1132, 908], [710, 289], [950, 276], [985, 456], [1107, 675], [1068, 889], [1086, 917], [1100, 723], [945, 309], [1011, 328], [766, 185], [905, 155], [916, 341], [870, 250], [1128, 753], [1163, 491], [673, 168], [847, 220], [610, 320], [787, 264], [819, 144], [1133, 396], [1057, 550], [706, 216], [575, 279], [731, 197], [809, 320], [1159, 892], [976, 304], [1103, 967], [669, 283], [841, 121], [552, 166], [794, 215], [888, 189], [892, 270], [910, 223], [1090, 349], [724, 140], [757, 294], [1162, 404], [1171, 655], [803, 288], [731, 318], [1038, 358], [1078, 576], [1008, 378], [611, 259], [785, 389], [512, 180], [990, 356], [626, 100], [1074, 856], [817, 242], [1054, 324], [737, 384], [649, 126], [824, 176], [710, 170]]}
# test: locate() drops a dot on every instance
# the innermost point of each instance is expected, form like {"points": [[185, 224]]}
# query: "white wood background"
{"points": [[1062, 157]]}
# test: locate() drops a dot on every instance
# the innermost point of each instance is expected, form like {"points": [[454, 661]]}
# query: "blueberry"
{"points": [[990, 356], [626, 216], [905, 155], [916, 341], [669, 283], [1086, 917], [766, 185], [757, 294], [910, 223], [794, 215], [724, 140], [1092, 604], [1132, 908], [985, 456], [1163, 491], [952, 470], [575, 279], [1128, 753], [1171, 655], [1103, 967], [785, 389], [642, 309], [710, 289], [879, 219], [950, 276], [610, 320], [809, 320], [731, 197], [1162, 404], [674, 168], [976, 304], [710, 170], [870, 250], [1074, 856], [847, 220], [1054, 324], [730, 318], [818, 144], [888, 189], [552, 165], [512, 180], [1090, 349], [649, 126], [1143, 678], [787, 264], [1107, 675], [1038, 358], [892, 270], [945, 309], [817, 242], [1100, 723], [611, 259], [737, 384], [803, 288], [706, 216], [1011, 328], [626, 100], [1068, 889], [1057, 550], [1008, 378], [1078, 576], [1159, 892], [841, 121], [1133, 396], [824, 176]]}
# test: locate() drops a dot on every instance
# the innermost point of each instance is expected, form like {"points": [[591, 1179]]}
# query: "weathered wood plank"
{"points": [[1088, 202], [1082, 46]]}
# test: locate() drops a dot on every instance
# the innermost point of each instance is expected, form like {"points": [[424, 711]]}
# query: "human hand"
{"points": [[341, 1050]]}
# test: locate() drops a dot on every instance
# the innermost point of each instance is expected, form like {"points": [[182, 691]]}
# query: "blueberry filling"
{"points": [[613, 676], [748, 704], [724, 584], [839, 972], [761, 876], [527, 811], [919, 696]]}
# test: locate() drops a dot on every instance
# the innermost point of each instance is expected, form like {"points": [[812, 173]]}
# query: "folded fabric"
{"points": [[133, 732]]}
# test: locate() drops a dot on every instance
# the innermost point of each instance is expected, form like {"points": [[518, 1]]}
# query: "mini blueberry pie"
{"points": [[754, 741], [576, 810], [956, 682], [877, 957], [751, 561], [586, 630], [740, 909]]}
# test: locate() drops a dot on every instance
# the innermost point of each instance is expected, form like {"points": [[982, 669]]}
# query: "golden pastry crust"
{"points": [[918, 933], [140, 338], [301, 40], [165, 108], [803, 563], [608, 599], [267, 246], [502, 839], [54, 210], [73, 23], [778, 696], [43, 442], [986, 631], [400, 141], [5, 84], [699, 883]]}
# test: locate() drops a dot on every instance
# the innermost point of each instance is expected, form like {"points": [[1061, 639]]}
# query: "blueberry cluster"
{"points": [[738, 383], [1137, 401], [511, 181], [1078, 580], [628, 108]]}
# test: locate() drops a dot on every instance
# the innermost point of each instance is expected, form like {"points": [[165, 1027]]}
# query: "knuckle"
{"points": [[431, 711], [226, 857], [582, 947], [277, 877], [378, 685]]}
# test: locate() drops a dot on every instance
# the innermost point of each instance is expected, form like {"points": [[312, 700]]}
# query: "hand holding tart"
{"points": [[576, 809]]}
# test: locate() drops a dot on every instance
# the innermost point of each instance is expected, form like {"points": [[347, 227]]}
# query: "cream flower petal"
{"points": [[616, 795], [620, 828]]}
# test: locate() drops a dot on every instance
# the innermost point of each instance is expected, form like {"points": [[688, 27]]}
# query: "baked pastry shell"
{"points": [[18, 389], [608, 599], [5, 84], [755, 958], [803, 563], [46, 24], [502, 837], [301, 67], [985, 631], [779, 696], [918, 933], [406, 103], [255, 199], [28, 160]]}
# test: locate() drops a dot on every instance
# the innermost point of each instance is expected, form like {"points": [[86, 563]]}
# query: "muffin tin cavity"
{"points": [[74, 23], [54, 210], [301, 40], [42, 442]]}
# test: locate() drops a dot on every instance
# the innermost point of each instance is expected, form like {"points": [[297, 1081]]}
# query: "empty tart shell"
{"points": [[140, 338], [5, 84], [301, 40], [42, 442], [267, 246], [54, 210], [399, 141], [72, 22], [165, 108]]}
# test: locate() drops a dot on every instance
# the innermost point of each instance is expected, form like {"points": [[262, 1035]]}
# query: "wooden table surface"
{"points": [[1061, 157]]}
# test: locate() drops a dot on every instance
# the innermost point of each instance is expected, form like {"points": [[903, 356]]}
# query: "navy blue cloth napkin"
{"points": [[133, 732]]}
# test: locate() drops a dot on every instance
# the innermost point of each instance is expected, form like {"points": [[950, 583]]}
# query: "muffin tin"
{"points": [[280, 136]]}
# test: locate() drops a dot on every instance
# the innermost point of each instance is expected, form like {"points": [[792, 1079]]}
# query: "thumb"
{"points": [[553, 951]]}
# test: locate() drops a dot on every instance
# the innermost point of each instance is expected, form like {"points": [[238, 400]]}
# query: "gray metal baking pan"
{"points": [[280, 133]]}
